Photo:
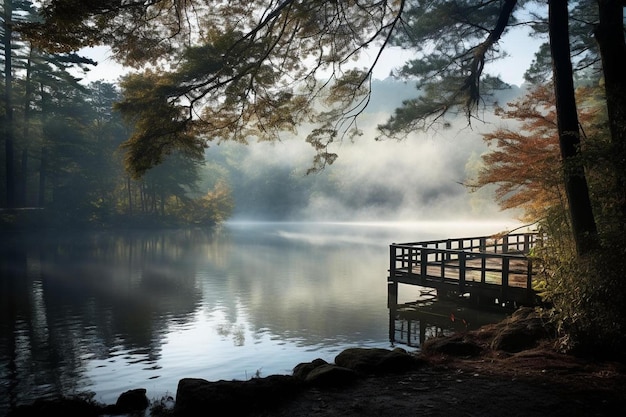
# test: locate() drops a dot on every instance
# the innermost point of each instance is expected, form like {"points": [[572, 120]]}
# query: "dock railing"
{"points": [[488, 267]]}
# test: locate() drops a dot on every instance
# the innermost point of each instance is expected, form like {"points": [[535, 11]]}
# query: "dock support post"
{"points": [[392, 294], [392, 324], [392, 305]]}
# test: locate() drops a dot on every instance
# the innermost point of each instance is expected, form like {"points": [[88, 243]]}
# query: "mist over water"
{"points": [[420, 178]]}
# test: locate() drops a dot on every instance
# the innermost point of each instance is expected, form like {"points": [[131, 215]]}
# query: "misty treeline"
{"points": [[255, 69], [62, 162]]}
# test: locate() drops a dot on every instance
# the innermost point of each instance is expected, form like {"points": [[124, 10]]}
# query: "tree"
{"points": [[8, 20], [24, 67], [609, 33], [523, 160], [581, 213]]}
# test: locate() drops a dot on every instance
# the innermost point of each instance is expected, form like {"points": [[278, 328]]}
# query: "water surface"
{"points": [[110, 311]]}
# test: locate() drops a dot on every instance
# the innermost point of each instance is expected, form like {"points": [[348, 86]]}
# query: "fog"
{"points": [[415, 179]]}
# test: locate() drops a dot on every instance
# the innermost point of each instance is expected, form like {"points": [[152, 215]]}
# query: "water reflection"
{"points": [[107, 312], [69, 300], [414, 322]]}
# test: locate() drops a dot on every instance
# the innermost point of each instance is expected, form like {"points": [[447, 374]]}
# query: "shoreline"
{"points": [[510, 367]]}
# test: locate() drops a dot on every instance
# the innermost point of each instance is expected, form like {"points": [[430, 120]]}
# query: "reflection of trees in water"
{"points": [[231, 330], [70, 298], [291, 288]]}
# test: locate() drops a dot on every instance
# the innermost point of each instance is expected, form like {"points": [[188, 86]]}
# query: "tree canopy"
{"points": [[230, 70]]}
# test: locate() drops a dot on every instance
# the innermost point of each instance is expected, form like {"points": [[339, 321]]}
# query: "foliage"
{"points": [[587, 293], [449, 72], [524, 159], [237, 70], [213, 208], [69, 137], [63, 138]]}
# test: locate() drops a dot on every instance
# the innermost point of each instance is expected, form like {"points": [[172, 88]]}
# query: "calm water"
{"points": [[108, 312]]}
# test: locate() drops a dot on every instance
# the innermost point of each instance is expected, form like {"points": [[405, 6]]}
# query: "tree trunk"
{"points": [[583, 222], [21, 195], [42, 176], [8, 107], [609, 34], [28, 98]]}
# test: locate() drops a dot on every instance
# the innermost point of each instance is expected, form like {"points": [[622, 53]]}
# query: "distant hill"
{"points": [[388, 94]]}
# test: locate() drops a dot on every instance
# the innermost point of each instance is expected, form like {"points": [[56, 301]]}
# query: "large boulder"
{"points": [[302, 370], [198, 397], [328, 375], [132, 401], [377, 360], [523, 330]]}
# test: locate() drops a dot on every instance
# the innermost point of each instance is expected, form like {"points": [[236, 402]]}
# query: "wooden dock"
{"points": [[488, 270]]}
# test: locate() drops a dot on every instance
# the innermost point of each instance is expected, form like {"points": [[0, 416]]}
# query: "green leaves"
{"points": [[453, 40]]}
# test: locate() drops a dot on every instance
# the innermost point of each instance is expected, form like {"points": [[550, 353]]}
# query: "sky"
{"points": [[517, 43]]}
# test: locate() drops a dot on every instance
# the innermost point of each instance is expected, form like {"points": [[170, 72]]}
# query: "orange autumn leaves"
{"points": [[524, 162]]}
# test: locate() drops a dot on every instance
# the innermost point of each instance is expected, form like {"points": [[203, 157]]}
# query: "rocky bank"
{"points": [[510, 368]]}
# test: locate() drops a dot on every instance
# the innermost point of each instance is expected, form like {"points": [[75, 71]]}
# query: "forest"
{"points": [[212, 73], [62, 162]]}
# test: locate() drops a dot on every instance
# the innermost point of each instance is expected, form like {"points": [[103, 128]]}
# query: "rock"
{"points": [[195, 397], [328, 375], [398, 360], [377, 360], [132, 400], [198, 397], [302, 370]]}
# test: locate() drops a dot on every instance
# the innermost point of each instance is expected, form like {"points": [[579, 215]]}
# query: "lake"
{"points": [[105, 312]]}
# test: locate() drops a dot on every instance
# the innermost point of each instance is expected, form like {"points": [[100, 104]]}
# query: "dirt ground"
{"points": [[536, 382]]}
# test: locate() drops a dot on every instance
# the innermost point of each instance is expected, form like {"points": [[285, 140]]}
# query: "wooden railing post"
{"points": [[462, 273], [505, 277], [483, 268], [529, 279], [392, 294], [527, 238], [410, 261], [424, 263]]}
